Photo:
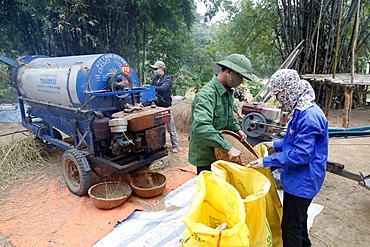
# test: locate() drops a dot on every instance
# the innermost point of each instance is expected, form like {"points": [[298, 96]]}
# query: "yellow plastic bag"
{"points": [[215, 202], [274, 208], [252, 187]]}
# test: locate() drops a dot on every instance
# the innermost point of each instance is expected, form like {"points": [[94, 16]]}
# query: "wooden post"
{"points": [[348, 91]]}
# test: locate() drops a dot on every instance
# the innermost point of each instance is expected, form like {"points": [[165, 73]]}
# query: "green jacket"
{"points": [[212, 111]]}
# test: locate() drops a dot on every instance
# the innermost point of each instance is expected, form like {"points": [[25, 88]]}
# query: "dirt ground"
{"points": [[345, 218]]}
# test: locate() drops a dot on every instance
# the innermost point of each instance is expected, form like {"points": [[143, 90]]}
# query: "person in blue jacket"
{"points": [[163, 86], [302, 154]]}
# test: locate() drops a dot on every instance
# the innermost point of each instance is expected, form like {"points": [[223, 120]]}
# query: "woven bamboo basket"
{"points": [[149, 184], [247, 152], [108, 195]]}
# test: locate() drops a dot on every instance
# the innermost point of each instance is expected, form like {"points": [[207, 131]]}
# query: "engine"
{"points": [[263, 123], [137, 129]]}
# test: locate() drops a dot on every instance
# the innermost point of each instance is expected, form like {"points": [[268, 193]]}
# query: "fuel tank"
{"points": [[64, 81]]}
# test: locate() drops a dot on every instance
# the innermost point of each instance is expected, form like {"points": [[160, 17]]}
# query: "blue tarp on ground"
{"points": [[11, 116]]}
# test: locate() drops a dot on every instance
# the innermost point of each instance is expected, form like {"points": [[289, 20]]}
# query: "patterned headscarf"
{"points": [[291, 91]]}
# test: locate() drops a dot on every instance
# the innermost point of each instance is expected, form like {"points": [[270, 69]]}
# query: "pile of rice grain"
{"points": [[19, 158]]}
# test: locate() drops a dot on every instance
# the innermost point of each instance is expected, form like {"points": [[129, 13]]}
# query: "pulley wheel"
{"points": [[120, 82], [254, 124]]}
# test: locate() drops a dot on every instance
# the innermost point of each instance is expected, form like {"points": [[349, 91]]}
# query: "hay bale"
{"points": [[182, 115]]}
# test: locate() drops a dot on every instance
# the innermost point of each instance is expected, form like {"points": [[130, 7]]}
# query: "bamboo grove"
{"points": [[335, 34]]}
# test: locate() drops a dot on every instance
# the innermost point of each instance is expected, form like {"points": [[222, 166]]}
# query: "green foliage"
{"points": [[254, 87], [198, 65], [144, 31], [181, 82], [248, 30], [7, 92]]}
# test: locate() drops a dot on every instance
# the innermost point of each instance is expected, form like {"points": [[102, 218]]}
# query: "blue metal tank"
{"points": [[64, 81]]}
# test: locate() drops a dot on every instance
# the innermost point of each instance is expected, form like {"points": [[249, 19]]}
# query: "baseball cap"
{"points": [[158, 64]]}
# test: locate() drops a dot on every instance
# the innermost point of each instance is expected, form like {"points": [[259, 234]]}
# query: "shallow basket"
{"points": [[108, 195], [246, 150], [149, 184]]}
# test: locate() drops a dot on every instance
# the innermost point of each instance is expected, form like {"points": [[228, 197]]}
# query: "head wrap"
{"points": [[291, 91]]}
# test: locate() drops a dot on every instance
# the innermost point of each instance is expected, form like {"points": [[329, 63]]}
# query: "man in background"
{"points": [[163, 85]]}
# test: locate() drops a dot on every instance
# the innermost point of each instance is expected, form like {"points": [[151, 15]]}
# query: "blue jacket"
{"points": [[163, 87], [303, 153]]}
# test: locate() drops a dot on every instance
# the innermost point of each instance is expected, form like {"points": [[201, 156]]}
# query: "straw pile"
{"points": [[160, 164], [182, 115], [19, 158]]}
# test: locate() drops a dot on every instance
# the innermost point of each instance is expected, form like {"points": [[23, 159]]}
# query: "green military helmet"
{"points": [[238, 63]]}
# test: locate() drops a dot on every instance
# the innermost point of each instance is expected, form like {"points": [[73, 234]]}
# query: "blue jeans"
{"points": [[171, 128]]}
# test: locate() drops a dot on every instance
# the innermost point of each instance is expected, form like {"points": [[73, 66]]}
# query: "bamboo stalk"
{"points": [[338, 38], [317, 37], [355, 40], [357, 21], [285, 64]]}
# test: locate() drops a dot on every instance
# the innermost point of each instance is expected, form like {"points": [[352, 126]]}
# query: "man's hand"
{"points": [[258, 164], [242, 135], [234, 156], [269, 145]]}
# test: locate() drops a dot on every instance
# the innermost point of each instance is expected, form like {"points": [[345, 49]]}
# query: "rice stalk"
{"points": [[6, 155], [20, 158]]}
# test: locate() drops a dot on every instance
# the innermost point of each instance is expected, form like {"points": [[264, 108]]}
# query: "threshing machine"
{"points": [[262, 123], [97, 102]]}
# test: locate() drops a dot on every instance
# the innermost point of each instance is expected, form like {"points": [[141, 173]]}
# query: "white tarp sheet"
{"points": [[165, 228]]}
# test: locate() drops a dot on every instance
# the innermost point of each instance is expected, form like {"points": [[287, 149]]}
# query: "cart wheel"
{"points": [[77, 179]]}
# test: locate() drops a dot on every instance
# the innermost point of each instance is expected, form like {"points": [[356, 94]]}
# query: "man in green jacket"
{"points": [[212, 111]]}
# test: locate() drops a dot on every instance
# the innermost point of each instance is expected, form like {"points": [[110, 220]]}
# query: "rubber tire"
{"points": [[77, 179]]}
